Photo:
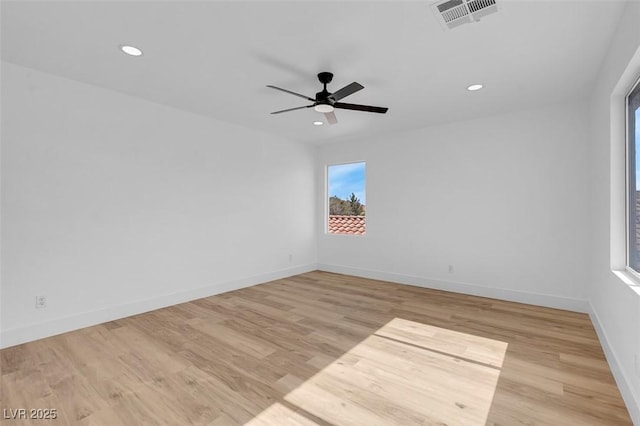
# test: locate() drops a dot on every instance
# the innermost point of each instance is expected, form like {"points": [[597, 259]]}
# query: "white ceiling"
{"points": [[215, 58]]}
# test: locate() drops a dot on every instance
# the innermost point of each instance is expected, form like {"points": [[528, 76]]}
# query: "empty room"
{"points": [[320, 212]]}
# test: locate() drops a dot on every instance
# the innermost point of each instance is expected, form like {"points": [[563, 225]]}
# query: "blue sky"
{"points": [[347, 178]]}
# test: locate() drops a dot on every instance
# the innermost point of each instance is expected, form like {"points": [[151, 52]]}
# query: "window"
{"points": [[347, 199], [633, 178]]}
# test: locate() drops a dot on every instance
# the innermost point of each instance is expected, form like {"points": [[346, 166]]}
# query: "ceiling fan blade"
{"points": [[293, 93], [356, 107], [347, 90], [331, 117], [291, 109]]}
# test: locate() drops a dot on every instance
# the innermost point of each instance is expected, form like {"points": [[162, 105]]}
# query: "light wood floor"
{"points": [[323, 349]]}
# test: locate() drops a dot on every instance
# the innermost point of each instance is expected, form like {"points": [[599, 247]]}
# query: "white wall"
{"points": [[112, 205], [502, 199], [614, 304]]}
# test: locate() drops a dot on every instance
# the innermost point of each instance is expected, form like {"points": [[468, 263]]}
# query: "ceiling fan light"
{"points": [[324, 108]]}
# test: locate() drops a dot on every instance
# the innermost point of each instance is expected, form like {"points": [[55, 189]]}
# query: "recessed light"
{"points": [[475, 87], [131, 50], [318, 123]]}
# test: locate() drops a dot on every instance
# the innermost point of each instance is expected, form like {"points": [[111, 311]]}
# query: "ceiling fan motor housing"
{"points": [[324, 98]]}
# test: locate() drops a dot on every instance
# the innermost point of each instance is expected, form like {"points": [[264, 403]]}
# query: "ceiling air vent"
{"points": [[453, 13]]}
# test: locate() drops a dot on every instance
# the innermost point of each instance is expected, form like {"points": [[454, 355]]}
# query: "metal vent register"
{"points": [[453, 13]]}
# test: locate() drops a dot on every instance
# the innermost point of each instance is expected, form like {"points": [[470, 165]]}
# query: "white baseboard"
{"points": [[631, 400], [37, 331], [549, 301]]}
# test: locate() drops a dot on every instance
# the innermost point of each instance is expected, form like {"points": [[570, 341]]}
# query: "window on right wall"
{"points": [[633, 179], [347, 199]]}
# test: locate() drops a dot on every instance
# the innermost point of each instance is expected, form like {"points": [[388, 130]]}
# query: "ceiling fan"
{"points": [[326, 102]]}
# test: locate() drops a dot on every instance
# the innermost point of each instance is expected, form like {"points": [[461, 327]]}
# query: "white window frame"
{"points": [[327, 195], [629, 172]]}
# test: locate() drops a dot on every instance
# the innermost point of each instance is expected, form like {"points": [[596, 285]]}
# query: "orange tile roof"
{"points": [[352, 225]]}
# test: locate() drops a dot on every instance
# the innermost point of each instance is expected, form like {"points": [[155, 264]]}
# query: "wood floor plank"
{"points": [[321, 349]]}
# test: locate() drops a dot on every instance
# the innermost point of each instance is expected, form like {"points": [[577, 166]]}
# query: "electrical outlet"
{"points": [[451, 269], [41, 302]]}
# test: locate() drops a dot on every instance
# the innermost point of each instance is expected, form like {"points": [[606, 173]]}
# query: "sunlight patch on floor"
{"points": [[278, 414], [404, 373]]}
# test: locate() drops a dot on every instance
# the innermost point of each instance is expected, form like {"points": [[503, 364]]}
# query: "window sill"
{"points": [[628, 278]]}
